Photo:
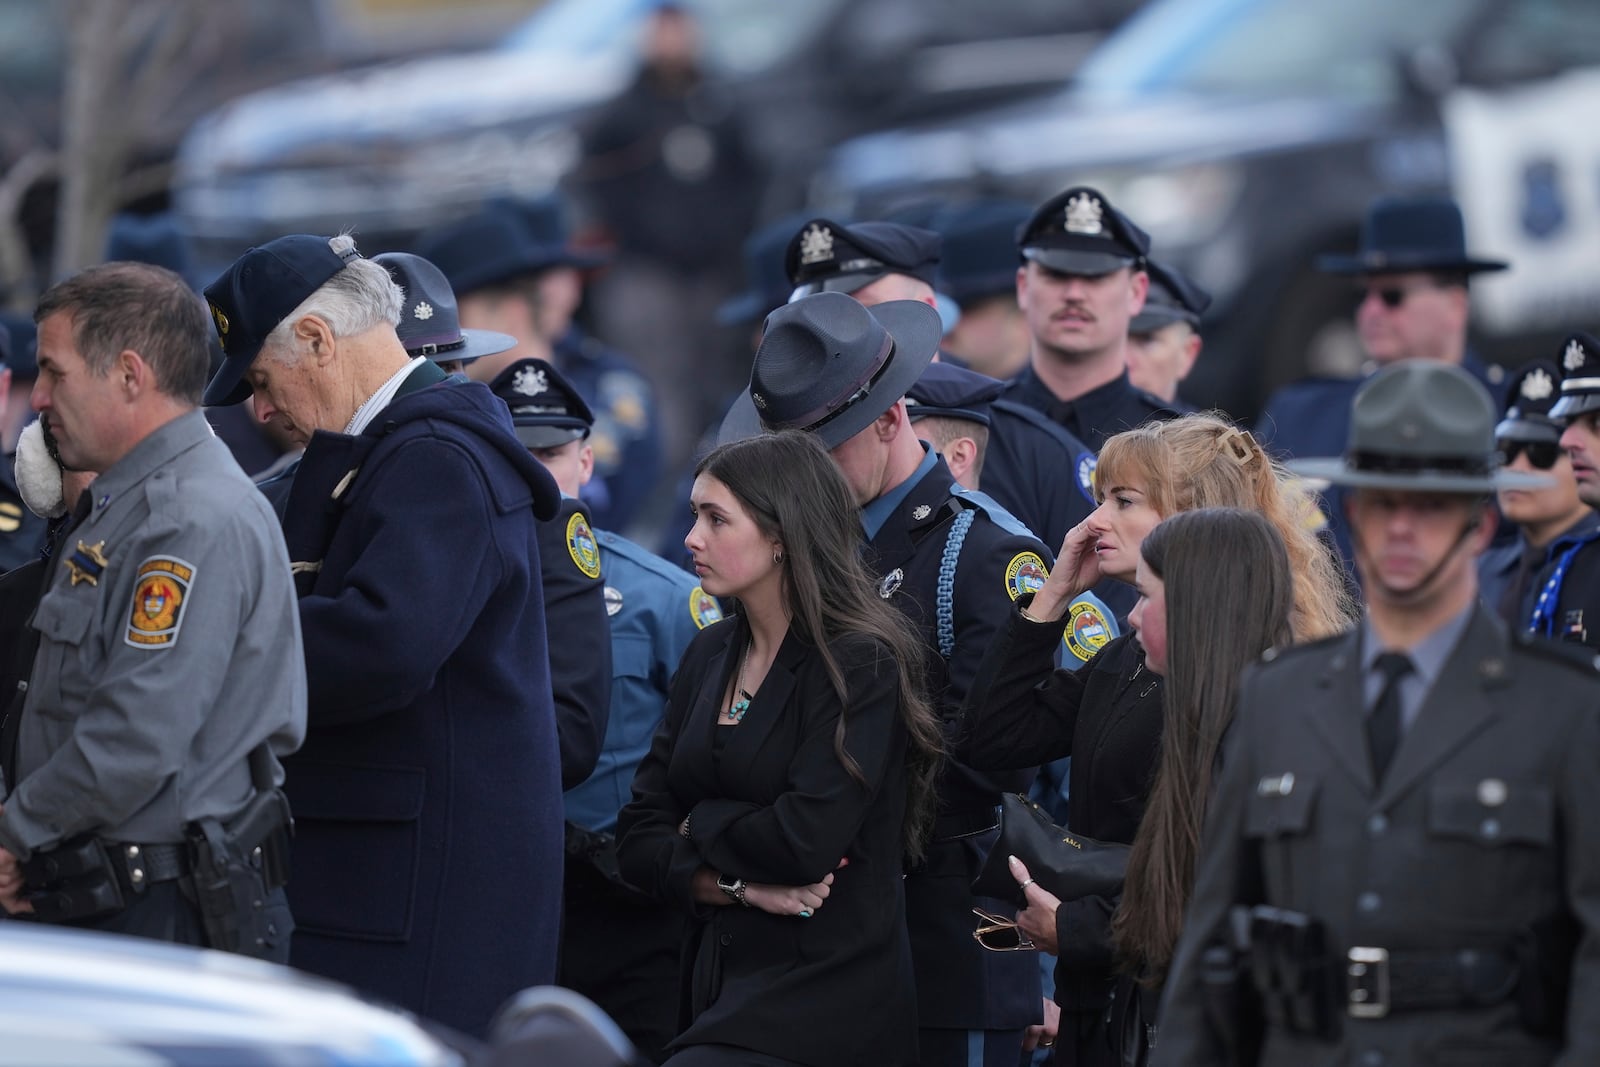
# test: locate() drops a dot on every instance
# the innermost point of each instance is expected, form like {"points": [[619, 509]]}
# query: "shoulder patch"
{"points": [[1087, 629], [704, 608], [1084, 466], [1025, 574], [160, 593], [582, 547]]}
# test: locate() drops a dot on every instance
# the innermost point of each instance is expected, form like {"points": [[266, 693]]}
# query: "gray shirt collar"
{"points": [[1428, 657], [147, 457]]}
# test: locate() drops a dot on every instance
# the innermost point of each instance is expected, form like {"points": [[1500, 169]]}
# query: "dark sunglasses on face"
{"points": [[1391, 296], [1541, 454]]}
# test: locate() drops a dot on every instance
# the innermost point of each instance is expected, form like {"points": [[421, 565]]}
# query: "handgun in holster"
{"points": [[1228, 994], [72, 882], [1295, 974], [236, 867]]}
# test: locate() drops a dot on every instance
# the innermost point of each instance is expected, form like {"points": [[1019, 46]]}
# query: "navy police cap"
{"points": [[545, 409], [1580, 376], [1080, 232], [1534, 391], [1173, 297], [256, 293], [501, 242], [827, 257], [429, 323], [953, 392]]}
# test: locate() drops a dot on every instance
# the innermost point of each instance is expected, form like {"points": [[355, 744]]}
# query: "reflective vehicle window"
{"points": [[1536, 38]]}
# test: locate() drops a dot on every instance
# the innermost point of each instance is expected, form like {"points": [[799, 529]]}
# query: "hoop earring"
{"points": [[777, 557]]}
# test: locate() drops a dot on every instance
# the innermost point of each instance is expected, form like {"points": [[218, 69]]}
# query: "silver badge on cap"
{"points": [[1572, 359], [920, 512], [1084, 215], [1538, 385], [816, 245], [529, 381], [1492, 792], [423, 311]]}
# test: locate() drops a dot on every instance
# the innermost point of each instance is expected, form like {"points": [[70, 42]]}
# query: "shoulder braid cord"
{"points": [[946, 611]]}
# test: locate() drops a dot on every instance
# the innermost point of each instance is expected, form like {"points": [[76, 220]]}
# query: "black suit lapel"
{"points": [[766, 708], [1337, 710], [694, 756]]}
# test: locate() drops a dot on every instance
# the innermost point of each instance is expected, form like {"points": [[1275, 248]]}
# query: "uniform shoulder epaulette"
{"points": [[1578, 657], [643, 558], [978, 500]]}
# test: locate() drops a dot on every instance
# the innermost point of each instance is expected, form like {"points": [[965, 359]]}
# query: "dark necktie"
{"points": [[1383, 724]]}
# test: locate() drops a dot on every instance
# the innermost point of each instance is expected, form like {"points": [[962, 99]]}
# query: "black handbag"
{"points": [[1062, 862]]}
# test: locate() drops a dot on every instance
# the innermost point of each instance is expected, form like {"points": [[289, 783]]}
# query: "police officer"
{"points": [[1082, 280], [22, 533], [1408, 815], [1164, 338], [1548, 521], [1567, 598], [836, 369], [1412, 270], [514, 272], [168, 678], [569, 563], [878, 261], [619, 947]]}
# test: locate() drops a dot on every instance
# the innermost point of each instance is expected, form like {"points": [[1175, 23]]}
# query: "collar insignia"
{"points": [[529, 382], [1537, 386], [1084, 214], [87, 563], [816, 245], [920, 512], [1572, 359]]}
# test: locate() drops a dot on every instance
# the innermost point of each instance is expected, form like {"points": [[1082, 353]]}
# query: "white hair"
{"points": [[353, 301]]}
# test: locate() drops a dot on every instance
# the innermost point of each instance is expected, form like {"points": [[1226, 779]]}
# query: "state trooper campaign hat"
{"points": [[953, 392], [830, 366], [545, 409], [827, 257], [429, 323], [500, 242], [255, 293], [1403, 234], [1421, 426], [1173, 297], [1079, 232], [1534, 391], [1580, 376]]}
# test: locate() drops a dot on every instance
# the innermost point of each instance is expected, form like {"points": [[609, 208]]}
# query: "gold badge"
{"points": [[10, 517], [222, 325], [1025, 574], [1087, 630], [582, 547], [87, 563], [159, 596]]}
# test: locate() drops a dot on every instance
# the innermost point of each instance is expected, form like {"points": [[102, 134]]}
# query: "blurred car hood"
{"points": [[400, 102]]}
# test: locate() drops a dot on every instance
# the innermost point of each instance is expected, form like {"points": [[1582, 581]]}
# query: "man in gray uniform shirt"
{"points": [[141, 768]]}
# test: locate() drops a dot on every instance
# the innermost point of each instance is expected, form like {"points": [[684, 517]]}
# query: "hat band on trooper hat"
{"points": [[1387, 463], [857, 391]]}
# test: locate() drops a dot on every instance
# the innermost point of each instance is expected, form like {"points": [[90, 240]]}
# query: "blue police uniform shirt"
{"points": [[875, 514], [626, 436], [655, 611]]}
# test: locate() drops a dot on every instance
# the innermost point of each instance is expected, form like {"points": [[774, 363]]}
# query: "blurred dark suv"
{"points": [[1249, 135], [395, 148]]}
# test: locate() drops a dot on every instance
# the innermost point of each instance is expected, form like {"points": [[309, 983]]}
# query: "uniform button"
{"points": [[1378, 825], [725, 940], [1490, 828], [1369, 902]]}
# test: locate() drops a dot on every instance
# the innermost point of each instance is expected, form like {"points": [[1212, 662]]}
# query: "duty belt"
{"points": [[1378, 981]]}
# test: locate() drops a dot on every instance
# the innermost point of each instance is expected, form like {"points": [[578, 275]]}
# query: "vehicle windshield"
{"points": [[1345, 48], [740, 36]]}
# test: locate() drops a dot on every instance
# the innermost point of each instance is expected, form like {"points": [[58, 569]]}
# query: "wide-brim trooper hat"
{"points": [[1580, 377], [1421, 426], [430, 324], [831, 366], [1404, 234]]}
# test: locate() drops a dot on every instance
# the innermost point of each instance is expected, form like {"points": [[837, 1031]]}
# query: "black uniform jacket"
{"points": [[1487, 824], [1107, 716], [776, 806], [580, 637]]}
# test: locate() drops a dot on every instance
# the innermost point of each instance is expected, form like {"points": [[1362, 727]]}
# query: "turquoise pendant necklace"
{"points": [[739, 707]]}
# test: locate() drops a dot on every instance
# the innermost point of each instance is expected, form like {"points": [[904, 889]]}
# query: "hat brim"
{"points": [[1400, 263], [228, 386], [1533, 430], [917, 330], [840, 283], [1154, 318], [1335, 471], [545, 435], [480, 343], [1572, 405], [741, 422], [1077, 261]]}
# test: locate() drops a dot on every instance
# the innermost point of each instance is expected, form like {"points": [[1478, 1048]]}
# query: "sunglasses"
{"points": [[1392, 296], [1541, 454], [999, 934]]}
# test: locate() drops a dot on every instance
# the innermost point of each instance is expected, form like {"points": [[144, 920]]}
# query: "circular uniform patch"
{"points": [[581, 546], [159, 595], [704, 607], [1025, 574], [1086, 631], [1085, 467]]}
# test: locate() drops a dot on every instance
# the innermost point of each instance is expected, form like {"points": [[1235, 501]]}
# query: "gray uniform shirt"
{"points": [[169, 649]]}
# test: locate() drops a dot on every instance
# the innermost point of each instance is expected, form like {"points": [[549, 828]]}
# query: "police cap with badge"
{"points": [[501, 242], [828, 257], [1527, 425], [1580, 377], [1079, 232], [429, 322], [1173, 297], [546, 410], [948, 391]]}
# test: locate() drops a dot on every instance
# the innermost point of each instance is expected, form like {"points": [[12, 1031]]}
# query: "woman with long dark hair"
{"points": [[1108, 715], [792, 778]]}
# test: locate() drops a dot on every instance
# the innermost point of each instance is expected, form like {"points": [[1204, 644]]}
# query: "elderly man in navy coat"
{"points": [[427, 857]]}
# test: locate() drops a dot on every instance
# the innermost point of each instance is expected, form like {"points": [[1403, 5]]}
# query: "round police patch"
{"points": [[1085, 466], [159, 594], [581, 546], [704, 608], [1086, 631], [1025, 574]]}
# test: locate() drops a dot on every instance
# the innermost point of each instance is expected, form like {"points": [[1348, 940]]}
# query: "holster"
{"points": [[597, 849], [1544, 957], [1228, 993], [1296, 976], [236, 867], [72, 882]]}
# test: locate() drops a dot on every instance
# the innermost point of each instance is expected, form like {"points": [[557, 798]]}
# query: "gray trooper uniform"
{"points": [[169, 651]]}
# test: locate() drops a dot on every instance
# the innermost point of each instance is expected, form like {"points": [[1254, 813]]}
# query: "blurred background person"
{"points": [[1548, 521], [793, 782], [1164, 337], [1568, 588], [22, 533], [978, 271]]}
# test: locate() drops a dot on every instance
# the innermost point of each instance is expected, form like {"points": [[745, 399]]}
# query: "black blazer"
{"points": [[777, 806]]}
